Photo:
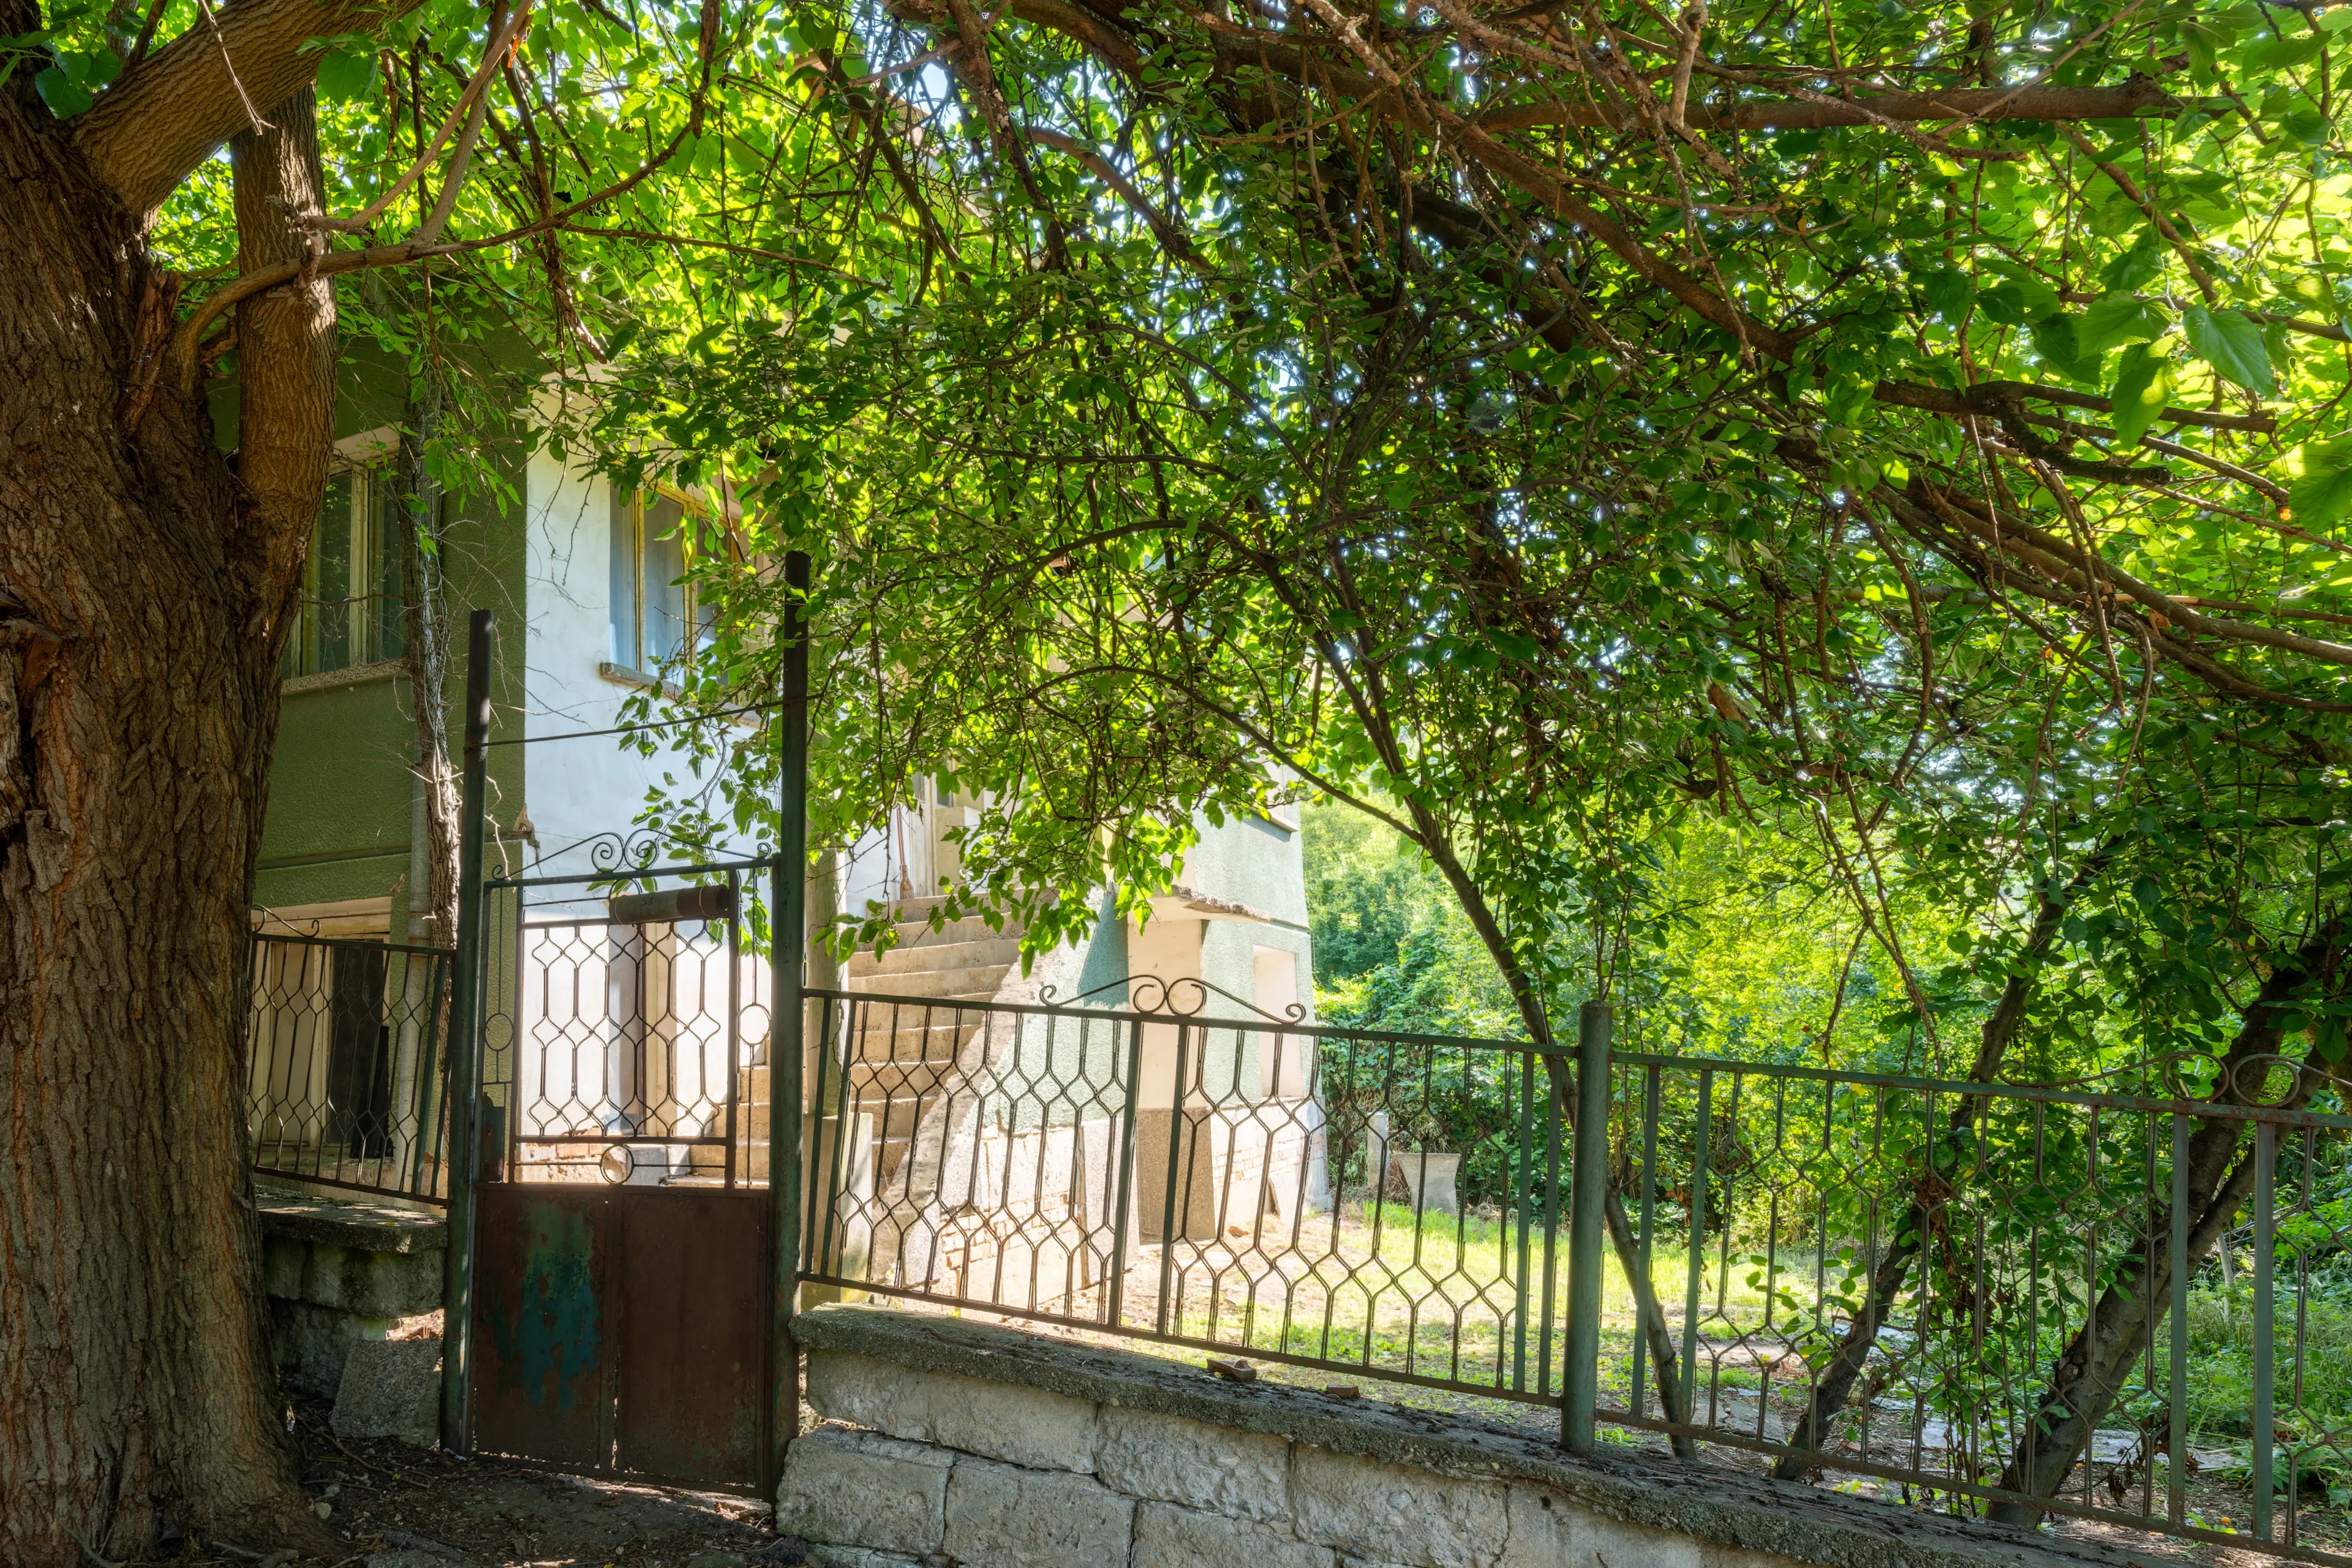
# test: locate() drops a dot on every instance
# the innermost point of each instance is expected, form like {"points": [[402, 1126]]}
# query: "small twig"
{"points": [[328, 1432], [90, 1552], [252, 115], [146, 35]]}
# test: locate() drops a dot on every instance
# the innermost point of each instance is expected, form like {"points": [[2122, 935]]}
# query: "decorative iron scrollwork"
{"points": [[618, 852], [1182, 997]]}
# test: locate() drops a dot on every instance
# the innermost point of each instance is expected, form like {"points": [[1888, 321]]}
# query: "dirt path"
{"points": [[400, 1507]]}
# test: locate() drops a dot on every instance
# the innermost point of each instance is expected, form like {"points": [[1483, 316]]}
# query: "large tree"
{"points": [[147, 578]]}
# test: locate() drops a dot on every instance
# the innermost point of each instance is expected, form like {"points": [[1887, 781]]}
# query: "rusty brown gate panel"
{"points": [[691, 1268], [542, 1324], [621, 1331]]}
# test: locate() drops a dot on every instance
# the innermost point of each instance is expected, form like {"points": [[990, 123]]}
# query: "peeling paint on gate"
{"points": [[623, 1330], [543, 1326], [553, 1337]]}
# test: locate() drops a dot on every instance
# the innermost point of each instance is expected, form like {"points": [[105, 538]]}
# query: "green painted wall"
{"points": [[340, 794]]}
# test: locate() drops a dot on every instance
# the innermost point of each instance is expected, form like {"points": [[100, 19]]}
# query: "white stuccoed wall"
{"points": [[576, 789]]}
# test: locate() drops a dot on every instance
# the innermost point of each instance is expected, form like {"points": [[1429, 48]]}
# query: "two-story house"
{"points": [[585, 582]]}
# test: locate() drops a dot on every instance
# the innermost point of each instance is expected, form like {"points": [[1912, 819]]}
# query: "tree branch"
{"points": [[148, 132]]}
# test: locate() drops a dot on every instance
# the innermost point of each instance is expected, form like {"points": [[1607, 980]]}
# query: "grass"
{"points": [[1373, 1288], [1442, 1295]]}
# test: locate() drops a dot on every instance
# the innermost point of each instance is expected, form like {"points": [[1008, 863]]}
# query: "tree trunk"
{"points": [[2085, 1380], [1933, 1186], [416, 512], [142, 597], [1657, 1338]]}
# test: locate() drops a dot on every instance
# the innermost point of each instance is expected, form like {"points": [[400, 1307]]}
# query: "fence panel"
{"points": [[1381, 1205], [1878, 1281], [345, 1063]]}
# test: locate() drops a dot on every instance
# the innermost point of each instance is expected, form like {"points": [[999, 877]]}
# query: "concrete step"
{"points": [[974, 981], [913, 933], [936, 955], [919, 1034]]}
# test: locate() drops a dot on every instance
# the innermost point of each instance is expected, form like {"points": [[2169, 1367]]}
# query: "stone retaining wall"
{"points": [[340, 1271], [950, 1442]]}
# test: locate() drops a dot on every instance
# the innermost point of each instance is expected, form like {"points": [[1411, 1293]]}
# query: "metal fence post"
{"points": [[2266, 1388], [464, 1048], [1580, 1378], [787, 956]]}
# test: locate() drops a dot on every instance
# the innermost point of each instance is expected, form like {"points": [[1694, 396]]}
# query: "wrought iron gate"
{"points": [[620, 1318]]}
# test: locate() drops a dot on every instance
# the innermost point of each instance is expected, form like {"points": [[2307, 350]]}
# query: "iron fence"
{"points": [[346, 1083], [1879, 1281]]}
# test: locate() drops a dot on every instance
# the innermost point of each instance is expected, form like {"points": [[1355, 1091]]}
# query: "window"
{"points": [[351, 605], [652, 610]]}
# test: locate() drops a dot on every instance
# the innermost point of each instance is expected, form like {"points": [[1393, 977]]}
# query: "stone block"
{"points": [[391, 1388], [282, 1259], [311, 1343], [1171, 1537], [376, 1284], [1394, 1513], [1549, 1531], [855, 1488], [1216, 1468], [1000, 1516], [859, 1557], [996, 1420], [1713, 1554]]}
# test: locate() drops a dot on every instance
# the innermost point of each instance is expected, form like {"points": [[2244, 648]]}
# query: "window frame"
{"points": [[693, 526], [368, 638]]}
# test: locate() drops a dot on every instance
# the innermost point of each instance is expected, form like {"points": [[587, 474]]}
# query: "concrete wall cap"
{"points": [[346, 1223]]}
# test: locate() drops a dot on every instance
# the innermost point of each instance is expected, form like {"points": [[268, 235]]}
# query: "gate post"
{"points": [[788, 955], [1581, 1379], [465, 1048]]}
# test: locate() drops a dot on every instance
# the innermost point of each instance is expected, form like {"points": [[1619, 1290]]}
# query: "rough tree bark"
{"points": [[144, 579]]}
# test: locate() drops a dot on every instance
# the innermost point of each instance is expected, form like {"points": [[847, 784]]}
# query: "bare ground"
{"points": [[399, 1507]]}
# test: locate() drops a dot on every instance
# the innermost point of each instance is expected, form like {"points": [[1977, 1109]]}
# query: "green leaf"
{"points": [[2307, 126], [65, 96], [346, 76], [1845, 397], [2136, 267], [2230, 343], [1947, 292], [2112, 323], [2285, 52], [2143, 386], [2320, 488], [2057, 341], [2004, 305]]}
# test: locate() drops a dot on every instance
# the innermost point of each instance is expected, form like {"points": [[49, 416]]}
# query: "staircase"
{"points": [[901, 1054]]}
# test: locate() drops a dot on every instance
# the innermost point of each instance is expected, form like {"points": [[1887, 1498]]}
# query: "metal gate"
{"points": [[621, 1314]]}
